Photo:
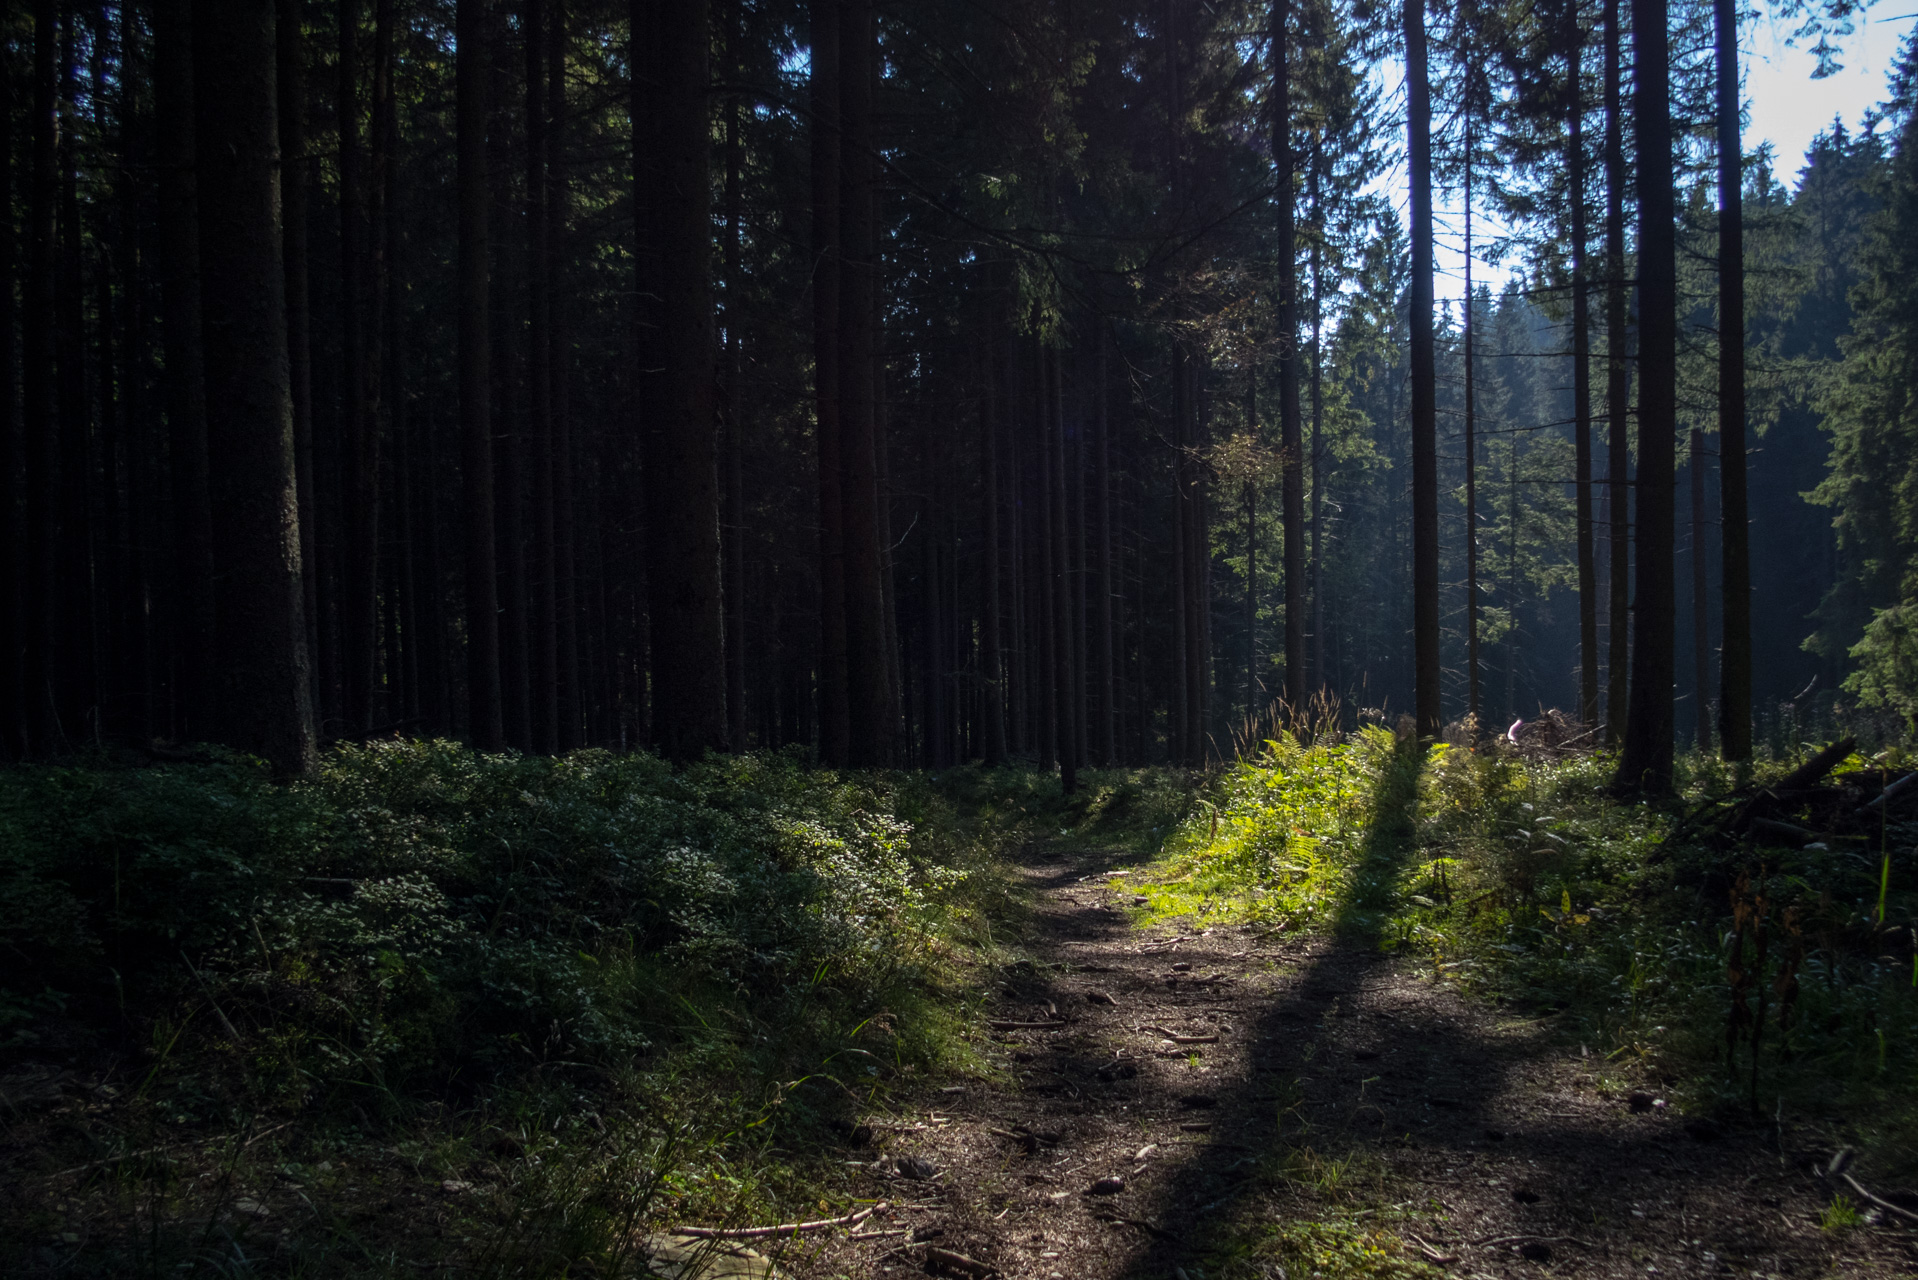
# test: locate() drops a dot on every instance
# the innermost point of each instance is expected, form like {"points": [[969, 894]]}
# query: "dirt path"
{"points": [[1339, 1088]]}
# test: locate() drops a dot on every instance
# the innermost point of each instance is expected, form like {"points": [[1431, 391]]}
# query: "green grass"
{"points": [[1524, 881], [499, 1011]]}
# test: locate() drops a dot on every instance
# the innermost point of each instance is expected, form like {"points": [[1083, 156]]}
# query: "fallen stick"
{"points": [[877, 1235], [783, 1229], [1026, 1026], [1885, 796], [957, 1261], [1816, 767], [1498, 1240], [1176, 1038], [1878, 1201]]}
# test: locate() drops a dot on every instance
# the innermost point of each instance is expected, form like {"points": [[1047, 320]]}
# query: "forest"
{"points": [[1060, 387], [605, 604]]}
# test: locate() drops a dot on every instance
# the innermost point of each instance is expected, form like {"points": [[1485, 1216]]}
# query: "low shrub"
{"points": [[419, 911]]}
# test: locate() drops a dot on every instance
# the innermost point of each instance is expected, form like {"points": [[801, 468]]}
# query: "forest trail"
{"points": [[1341, 1088]]}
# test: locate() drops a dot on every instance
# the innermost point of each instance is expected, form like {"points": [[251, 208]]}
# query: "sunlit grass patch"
{"points": [[1523, 880], [1276, 841], [1332, 1248]]}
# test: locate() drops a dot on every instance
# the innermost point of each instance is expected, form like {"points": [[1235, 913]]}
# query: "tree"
{"points": [[1425, 550], [682, 478], [1735, 659], [263, 699], [1645, 762], [1292, 462], [485, 721], [1617, 388]]}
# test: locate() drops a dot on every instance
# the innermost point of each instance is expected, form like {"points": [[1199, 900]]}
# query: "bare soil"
{"points": [[1340, 1087]]}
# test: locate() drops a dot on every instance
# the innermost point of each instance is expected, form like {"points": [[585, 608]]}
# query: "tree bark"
{"points": [[1065, 683], [264, 703], [13, 540], [1108, 735], [1473, 703], [485, 726], [41, 454], [358, 439], [1617, 389], [682, 481], [991, 657], [544, 620], [1425, 559], [1645, 765], [734, 540], [1701, 613], [1581, 378], [1735, 659], [565, 520], [867, 674], [1291, 461], [291, 83], [76, 686], [834, 725]]}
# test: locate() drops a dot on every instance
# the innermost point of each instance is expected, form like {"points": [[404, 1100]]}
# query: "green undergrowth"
{"points": [[501, 1011], [1524, 881]]}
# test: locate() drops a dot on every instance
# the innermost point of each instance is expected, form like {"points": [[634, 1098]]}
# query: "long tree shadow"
{"points": [[1358, 1064]]}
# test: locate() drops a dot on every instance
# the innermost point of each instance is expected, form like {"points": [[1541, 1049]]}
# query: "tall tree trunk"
{"points": [[1108, 736], [512, 459], [1291, 461], [734, 528], [1581, 376], [1425, 559], [1045, 614], [1701, 613], [359, 458], [1735, 659], [184, 385], [264, 702], [1065, 672], [472, 66], [133, 612], [991, 658], [1178, 743], [1645, 764], [682, 477], [565, 522], [291, 81], [1617, 388], [13, 531], [1318, 419], [387, 379], [1473, 704], [867, 675], [76, 688], [544, 620], [834, 726]]}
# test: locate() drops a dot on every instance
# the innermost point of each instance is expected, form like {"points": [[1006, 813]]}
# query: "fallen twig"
{"points": [[1026, 1026], [783, 1229], [1490, 1241], [1879, 1201], [1176, 1038], [957, 1261], [878, 1235]]}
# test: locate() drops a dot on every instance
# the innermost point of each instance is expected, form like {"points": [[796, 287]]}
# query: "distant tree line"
{"points": [[918, 383]]}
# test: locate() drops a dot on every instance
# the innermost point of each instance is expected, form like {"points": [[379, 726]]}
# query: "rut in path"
{"points": [[1340, 1087]]}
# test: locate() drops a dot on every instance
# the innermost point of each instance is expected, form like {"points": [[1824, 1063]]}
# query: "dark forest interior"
{"points": [[564, 558]]}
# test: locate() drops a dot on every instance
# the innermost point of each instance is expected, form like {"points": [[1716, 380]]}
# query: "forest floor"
{"points": [[1334, 1114]]}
